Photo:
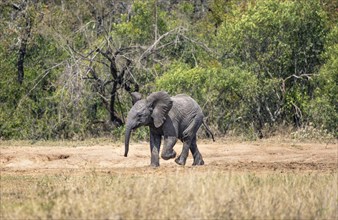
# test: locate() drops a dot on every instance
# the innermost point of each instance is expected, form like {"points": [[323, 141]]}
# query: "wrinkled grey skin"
{"points": [[177, 117]]}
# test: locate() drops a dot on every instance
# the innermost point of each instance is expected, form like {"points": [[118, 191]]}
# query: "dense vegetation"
{"points": [[68, 67]]}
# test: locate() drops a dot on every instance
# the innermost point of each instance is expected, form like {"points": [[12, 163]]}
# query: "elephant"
{"points": [[173, 118]]}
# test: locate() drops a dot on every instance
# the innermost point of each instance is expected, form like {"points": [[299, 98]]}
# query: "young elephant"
{"points": [[177, 117]]}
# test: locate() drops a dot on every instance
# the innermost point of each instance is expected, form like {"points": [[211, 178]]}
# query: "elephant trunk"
{"points": [[127, 138]]}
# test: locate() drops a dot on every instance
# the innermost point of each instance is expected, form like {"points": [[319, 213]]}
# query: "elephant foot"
{"points": [[198, 163], [167, 156], [179, 161], [154, 165], [198, 160]]}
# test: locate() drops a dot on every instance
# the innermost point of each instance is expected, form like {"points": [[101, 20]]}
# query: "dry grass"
{"points": [[184, 194]]}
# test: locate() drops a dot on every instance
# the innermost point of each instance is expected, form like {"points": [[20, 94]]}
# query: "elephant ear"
{"points": [[135, 96], [161, 104]]}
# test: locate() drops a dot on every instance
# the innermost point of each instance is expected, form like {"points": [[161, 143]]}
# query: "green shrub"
{"points": [[225, 95]]}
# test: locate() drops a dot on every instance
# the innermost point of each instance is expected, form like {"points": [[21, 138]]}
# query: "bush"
{"points": [[281, 43], [323, 108], [225, 95]]}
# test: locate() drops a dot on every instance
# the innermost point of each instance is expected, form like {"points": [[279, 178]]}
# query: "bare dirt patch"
{"points": [[266, 155]]}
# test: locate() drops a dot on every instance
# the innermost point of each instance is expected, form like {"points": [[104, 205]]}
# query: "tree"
{"points": [[323, 108], [281, 43], [67, 67], [122, 55]]}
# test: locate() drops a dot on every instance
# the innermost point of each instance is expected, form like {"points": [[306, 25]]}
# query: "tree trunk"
{"points": [[22, 50], [113, 117]]}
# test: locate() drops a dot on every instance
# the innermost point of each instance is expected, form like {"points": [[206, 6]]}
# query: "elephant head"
{"points": [[151, 111]]}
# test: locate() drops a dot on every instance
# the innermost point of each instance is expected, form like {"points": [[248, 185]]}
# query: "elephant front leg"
{"points": [[155, 143], [168, 151]]}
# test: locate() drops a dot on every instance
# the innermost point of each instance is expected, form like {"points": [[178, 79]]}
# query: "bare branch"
{"points": [[202, 45], [302, 76], [152, 47]]}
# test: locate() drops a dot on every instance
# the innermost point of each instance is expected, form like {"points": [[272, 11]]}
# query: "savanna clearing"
{"points": [[266, 179]]}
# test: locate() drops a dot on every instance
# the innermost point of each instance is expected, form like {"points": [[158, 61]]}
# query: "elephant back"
{"points": [[185, 112], [186, 103]]}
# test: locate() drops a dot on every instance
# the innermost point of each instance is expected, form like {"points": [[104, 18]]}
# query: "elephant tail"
{"points": [[209, 133]]}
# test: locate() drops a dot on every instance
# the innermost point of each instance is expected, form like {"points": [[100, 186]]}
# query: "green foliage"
{"points": [[225, 94], [323, 108], [281, 42], [276, 38], [146, 22], [251, 65]]}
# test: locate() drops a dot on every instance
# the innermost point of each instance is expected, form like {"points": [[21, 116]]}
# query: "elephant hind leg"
{"points": [[198, 160], [181, 160], [189, 142]]}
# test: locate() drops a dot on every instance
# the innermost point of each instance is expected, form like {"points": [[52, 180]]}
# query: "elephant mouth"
{"points": [[135, 127]]}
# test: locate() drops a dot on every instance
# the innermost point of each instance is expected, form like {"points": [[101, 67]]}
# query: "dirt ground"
{"points": [[228, 155]]}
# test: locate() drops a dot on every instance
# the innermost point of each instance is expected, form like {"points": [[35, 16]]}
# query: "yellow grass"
{"points": [[182, 194]]}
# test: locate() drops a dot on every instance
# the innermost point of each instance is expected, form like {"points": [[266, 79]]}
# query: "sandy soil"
{"points": [[258, 156]]}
